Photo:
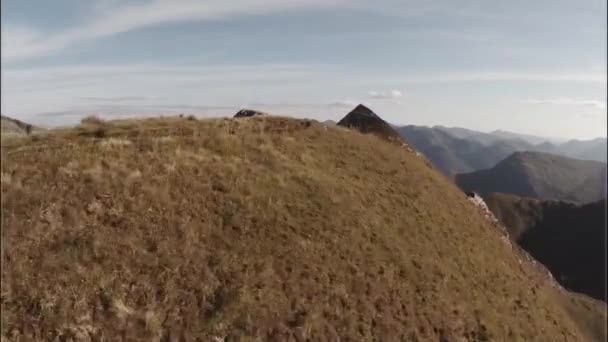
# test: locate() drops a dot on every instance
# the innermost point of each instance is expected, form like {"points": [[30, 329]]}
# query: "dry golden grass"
{"points": [[252, 230]]}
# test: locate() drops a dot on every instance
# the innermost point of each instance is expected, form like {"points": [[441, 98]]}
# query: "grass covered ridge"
{"points": [[253, 229]]}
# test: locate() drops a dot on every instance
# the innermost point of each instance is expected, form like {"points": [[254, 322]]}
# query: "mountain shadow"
{"points": [[569, 240]]}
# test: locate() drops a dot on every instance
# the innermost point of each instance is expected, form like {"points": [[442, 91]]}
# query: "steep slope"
{"points": [[570, 240], [258, 229], [444, 151], [366, 121], [15, 127], [540, 175]]}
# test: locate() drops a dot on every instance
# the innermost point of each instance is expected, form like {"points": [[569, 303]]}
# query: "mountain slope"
{"points": [[540, 175], [455, 151], [531, 139], [458, 150], [15, 127], [570, 240], [585, 149], [259, 229], [366, 121]]}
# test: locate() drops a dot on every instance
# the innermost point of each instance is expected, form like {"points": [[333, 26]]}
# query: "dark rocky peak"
{"points": [[366, 121], [246, 113]]}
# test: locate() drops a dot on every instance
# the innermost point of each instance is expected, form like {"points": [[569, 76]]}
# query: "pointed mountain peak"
{"points": [[363, 110], [366, 121]]}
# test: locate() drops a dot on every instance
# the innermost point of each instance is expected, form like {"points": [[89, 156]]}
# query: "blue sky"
{"points": [[535, 67]]}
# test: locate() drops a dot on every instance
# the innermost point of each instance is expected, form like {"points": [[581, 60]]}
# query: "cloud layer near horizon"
{"points": [[466, 64]]}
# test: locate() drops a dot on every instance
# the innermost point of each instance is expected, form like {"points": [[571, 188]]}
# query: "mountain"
{"points": [[540, 175], [585, 149], [466, 153], [15, 127], [456, 150], [569, 240], [531, 139], [365, 120], [483, 138], [175, 229]]}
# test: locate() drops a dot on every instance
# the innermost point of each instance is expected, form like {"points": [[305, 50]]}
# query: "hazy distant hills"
{"points": [[460, 150], [532, 139], [540, 175], [568, 239], [457, 150]]}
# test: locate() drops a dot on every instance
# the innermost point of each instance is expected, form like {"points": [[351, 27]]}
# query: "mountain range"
{"points": [[542, 176], [460, 150]]}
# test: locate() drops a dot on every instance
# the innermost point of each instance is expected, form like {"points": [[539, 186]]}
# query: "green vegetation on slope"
{"points": [[261, 228]]}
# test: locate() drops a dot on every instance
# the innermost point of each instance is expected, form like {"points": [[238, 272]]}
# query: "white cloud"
{"points": [[392, 94], [118, 98], [343, 103], [114, 17], [506, 76], [565, 101], [58, 89], [115, 78]]}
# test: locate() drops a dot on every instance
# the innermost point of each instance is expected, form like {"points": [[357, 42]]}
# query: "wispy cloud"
{"points": [[113, 17], [343, 103], [158, 87], [391, 94], [110, 77], [565, 101], [466, 76], [119, 98]]}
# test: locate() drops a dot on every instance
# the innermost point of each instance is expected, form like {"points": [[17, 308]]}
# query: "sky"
{"points": [[535, 67]]}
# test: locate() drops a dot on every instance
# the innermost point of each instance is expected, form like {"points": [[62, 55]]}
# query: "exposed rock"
{"points": [[246, 113], [366, 121]]}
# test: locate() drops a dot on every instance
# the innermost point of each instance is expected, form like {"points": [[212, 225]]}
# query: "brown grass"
{"points": [[253, 230]]}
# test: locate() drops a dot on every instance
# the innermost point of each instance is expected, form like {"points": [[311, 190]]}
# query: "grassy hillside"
{"points": [[256, 229], [570, 240], [542, 176]]}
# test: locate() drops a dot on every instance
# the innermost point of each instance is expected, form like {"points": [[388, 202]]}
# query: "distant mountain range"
{"points": [[460, 150], [532, 139], [568, 239], [540, 175]]}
